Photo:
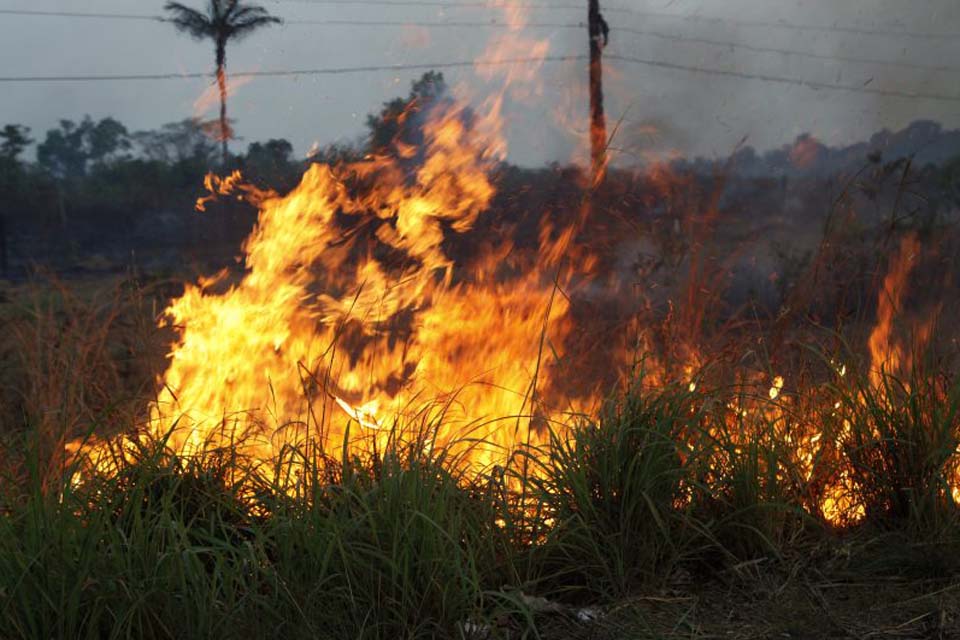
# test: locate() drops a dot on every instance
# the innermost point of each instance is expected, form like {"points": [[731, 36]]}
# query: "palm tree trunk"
{"points": [[222, 84]]}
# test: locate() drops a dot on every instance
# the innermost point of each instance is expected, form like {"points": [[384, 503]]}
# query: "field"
{"points": [[657, 516], [636, 327], [432, 395]]}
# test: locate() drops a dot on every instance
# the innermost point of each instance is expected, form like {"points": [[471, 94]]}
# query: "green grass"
{"points": [[666, 495], [403, 544]]}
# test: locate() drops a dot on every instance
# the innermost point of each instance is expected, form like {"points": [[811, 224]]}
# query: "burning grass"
{"points": [[281, 478], [388, 422], [397, 531]]}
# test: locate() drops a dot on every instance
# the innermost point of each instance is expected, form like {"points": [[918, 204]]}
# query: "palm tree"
{"points": [[224, 20]]}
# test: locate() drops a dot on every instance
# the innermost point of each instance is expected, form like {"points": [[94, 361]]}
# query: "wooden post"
{"points": [[598, 125]]}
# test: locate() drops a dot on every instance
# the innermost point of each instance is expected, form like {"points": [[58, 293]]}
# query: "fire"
{"points": [[887, 355], [776, 388], [320, 321], [353, 319]]}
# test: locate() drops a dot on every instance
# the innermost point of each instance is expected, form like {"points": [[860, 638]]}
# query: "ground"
{"points": [[754, 607]]}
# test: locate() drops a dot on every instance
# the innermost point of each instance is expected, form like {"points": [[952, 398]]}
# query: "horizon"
{"points": [[709, 78]]}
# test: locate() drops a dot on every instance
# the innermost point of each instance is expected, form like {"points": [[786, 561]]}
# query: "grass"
{"points": [[669, 512]]}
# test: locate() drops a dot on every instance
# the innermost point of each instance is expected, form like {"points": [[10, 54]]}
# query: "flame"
{"points": [[776, 388], [351, 309], [887, 355]]}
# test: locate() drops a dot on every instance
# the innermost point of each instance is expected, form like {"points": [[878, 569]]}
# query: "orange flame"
{"points": [[887, 355]]}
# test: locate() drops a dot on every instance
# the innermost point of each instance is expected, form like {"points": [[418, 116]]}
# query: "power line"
{"points": [[492, 24], [295, 72], [444, 23], [79, 14], [778, 24], [632, 31], [466, 23], [157, 18], [448, 5], [787, 52], [536, 25], [810, 84]]}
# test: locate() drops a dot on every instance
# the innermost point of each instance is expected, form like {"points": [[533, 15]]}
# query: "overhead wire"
{"points": [[498, 62], [294, 72], [777, 24], [800, 82], [612, 56], [536, 25], [80, 14]]}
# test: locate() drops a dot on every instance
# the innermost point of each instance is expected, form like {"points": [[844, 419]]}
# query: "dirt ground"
{"points": [[758, 605]]}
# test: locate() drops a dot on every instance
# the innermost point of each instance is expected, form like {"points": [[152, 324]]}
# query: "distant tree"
{"points": [[337, 153], [68, 152], [273, 151], [271, 163], [401, 120], [14, 138], [177, 143], [224, 20], [950, 180]]}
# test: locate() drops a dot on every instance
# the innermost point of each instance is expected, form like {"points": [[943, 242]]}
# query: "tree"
{"points": [[224, 20], [181, 142], [402, 119], [270, 163], [68, 152], [14, 138], [274, 152]]}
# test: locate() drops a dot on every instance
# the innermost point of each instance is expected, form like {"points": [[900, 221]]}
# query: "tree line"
{"points": [[95, 186]]}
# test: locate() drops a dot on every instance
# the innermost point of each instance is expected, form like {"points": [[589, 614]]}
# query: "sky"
{"points": [[667, 104]]}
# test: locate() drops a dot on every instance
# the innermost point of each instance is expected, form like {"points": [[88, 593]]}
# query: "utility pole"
{"points": [[599, 37]]}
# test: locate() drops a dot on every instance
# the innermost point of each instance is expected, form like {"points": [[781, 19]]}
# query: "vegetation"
{"points": [[685, 507], [571, 540], [657, 518]]}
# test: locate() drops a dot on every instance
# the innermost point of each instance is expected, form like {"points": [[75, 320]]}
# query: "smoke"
{"points": [[693, 113]]}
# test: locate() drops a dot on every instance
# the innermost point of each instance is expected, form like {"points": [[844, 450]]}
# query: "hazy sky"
{"points": [[658, 108]]}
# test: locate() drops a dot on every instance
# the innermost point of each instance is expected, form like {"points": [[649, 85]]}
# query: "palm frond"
{"points": [[225, 19], [188, 20], [241, 28], [242, 12]]}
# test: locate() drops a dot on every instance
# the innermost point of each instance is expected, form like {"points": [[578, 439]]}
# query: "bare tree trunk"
{"points": [[222, 85], [598, 123]]}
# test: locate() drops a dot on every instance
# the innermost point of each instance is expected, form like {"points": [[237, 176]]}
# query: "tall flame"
{"points": [[352, 315], [350, 308], [886, 354]]}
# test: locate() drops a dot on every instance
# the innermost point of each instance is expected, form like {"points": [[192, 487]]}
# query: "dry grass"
{"points": [[650, 512]]}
